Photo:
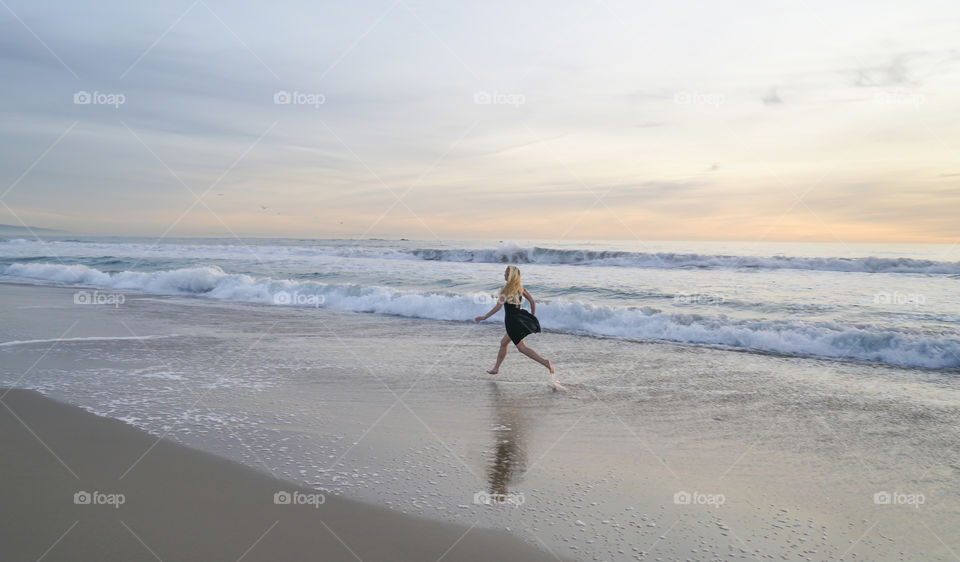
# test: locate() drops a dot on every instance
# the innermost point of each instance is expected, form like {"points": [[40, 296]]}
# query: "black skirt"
{"points": [[519, 322]]}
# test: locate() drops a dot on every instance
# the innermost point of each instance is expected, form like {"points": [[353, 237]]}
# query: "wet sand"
{"points": [[655, 451], [154, 499]]}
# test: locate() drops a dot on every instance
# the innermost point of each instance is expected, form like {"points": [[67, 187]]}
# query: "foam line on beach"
{"points": [[87, 339]]}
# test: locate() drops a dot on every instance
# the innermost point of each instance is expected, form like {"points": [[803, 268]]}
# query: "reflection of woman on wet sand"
{"points": [[509, 456]]}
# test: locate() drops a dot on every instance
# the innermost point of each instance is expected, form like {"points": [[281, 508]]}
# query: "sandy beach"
{"points": [[77, 486], [663, 451], [427, 281]]}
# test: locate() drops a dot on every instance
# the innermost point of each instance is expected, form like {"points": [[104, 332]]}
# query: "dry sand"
{"points": [[184, 504]]}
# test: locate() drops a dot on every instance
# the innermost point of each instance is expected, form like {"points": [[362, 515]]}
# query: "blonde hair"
{"points": [[512, 290]]}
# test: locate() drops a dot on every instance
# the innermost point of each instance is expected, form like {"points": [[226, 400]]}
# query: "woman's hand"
{"points": [[493, 311]]}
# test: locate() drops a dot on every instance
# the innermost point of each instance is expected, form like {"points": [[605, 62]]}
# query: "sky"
{"points": [[598, 119]]}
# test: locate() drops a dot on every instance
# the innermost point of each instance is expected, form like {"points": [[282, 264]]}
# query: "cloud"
{"points": [[893, 73], [907, 69], [771, 97], [600, 113]]}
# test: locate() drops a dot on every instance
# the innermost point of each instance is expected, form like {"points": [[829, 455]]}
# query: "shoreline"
{"points": [[797, 449], [839, 360], [159, 499]]}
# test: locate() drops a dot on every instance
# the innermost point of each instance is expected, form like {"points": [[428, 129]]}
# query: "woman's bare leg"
{"points": [[524, 349], [545, 362], [504, 343]]}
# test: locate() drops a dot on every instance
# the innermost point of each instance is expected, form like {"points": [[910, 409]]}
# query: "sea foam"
{"points": [[785, 336]]}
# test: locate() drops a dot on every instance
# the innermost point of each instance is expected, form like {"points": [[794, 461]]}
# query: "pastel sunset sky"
{"points": [[598, 119]]}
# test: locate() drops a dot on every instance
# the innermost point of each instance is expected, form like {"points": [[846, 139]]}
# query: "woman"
{"points": [[519, 322]]}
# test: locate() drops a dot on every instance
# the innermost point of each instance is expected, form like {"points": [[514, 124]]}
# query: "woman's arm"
{"points": [[533, 303], [489, 314]]}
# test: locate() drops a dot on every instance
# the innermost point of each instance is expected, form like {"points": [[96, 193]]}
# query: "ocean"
{"points": [[894, 304], [786, 401]]}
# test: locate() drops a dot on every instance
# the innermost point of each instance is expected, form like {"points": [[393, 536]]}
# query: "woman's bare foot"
{"points": [[553, 378], [493, 371]]}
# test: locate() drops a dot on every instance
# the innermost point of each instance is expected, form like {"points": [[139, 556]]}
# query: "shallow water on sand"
{"points": [[674, 451]]}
